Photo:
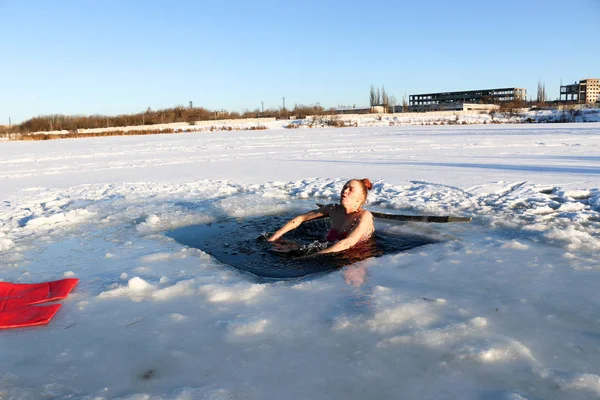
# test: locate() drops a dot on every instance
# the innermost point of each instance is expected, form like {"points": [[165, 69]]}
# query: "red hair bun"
{"points": [[367, 183]]}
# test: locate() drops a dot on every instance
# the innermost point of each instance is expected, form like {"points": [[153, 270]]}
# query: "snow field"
{"points": [[503, 308]]}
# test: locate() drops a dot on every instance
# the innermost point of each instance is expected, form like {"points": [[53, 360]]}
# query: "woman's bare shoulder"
{"points": [[367, 215]]}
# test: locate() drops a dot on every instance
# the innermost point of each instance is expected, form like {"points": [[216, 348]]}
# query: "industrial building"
{"points": [[455, 100], [586, 91], [362, 110]]}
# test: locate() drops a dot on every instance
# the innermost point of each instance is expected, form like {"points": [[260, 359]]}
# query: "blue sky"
{"points": [[115, 57]]}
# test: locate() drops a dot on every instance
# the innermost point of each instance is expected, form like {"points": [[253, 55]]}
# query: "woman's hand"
{"points": [[273, 238]]}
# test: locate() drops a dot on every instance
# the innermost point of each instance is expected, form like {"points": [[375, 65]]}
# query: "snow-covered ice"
{"points": [[506, 307]]}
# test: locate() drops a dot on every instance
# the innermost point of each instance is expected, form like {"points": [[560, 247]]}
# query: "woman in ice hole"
{"points": [[350, 224]]}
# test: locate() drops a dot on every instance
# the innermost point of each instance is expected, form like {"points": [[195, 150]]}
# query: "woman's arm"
{"points": [[364, 228], [295, 222]]}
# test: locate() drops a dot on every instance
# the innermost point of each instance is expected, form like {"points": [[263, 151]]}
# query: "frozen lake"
{"points": [[504, 307]]}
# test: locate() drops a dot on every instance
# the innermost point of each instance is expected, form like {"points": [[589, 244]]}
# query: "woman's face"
{"points": [[352, 195]]}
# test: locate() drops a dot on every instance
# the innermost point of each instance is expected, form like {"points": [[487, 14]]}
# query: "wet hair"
{"points": [[366, 183]]}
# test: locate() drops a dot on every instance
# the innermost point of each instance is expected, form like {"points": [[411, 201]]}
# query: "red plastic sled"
{"points": [[18, 295], [28, 316]]}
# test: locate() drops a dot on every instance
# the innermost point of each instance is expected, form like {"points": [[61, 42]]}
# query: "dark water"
{"points": [[242, 244]]}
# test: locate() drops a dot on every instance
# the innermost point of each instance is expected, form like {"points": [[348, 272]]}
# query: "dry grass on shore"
{"points": [[77, 135], [74, 135]]}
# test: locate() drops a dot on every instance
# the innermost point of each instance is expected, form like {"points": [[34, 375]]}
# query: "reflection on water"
{"points": [[242, 244]]}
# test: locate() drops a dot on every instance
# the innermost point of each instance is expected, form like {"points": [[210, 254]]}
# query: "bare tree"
{"points": [[372, 96], [544, 96], [404, 103], [385, 101], [541, 92], [393, 103], [378, 97]]}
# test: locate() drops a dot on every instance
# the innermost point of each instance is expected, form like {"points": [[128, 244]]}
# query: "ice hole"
{"points": [[242, 244]]}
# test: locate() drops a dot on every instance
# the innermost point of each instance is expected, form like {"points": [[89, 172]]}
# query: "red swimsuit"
{"points": [[333, 235]]}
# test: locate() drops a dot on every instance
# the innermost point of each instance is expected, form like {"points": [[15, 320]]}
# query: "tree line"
{"points": [[377, 97], [60, 122]]}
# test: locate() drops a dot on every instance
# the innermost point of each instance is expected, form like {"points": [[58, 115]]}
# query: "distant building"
{"points": [[222, 113], [454, 107], [455, 100], [586, 91], [361, 110]]}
